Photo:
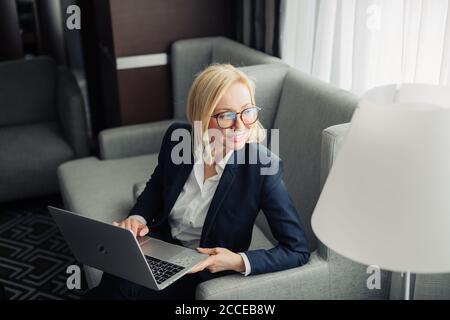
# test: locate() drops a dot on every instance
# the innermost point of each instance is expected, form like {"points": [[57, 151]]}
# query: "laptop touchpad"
{"points": [[160, 249]]}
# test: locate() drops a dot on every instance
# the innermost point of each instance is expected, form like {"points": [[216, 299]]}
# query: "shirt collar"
{"points": [[199, 165], [220, 166]]}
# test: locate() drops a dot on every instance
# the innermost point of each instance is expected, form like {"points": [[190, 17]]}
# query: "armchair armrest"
{"points": [[332, 140], [134, 140], [71, 112], [310, 281]]}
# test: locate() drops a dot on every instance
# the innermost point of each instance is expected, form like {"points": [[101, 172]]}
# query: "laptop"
{"points": [[147, 261]]}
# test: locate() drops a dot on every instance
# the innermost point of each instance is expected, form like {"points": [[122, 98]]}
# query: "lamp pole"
{"points": [[407, 279]]}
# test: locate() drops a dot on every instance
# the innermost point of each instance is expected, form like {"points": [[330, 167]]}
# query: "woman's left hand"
{"points": [[220, 259]]}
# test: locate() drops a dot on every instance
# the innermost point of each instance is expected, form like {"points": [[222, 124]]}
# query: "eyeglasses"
{"points": [[227, 119]]}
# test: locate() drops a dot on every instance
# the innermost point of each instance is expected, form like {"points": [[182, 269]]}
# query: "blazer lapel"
{"points": [[179, 179], [222, 190]]}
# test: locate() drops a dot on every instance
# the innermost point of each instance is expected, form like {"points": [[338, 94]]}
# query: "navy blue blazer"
{"points": [[241, 193]]}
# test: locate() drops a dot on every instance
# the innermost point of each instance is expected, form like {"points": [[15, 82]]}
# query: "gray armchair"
{"points": [[302, 108], [42, 124], [103, 188]]}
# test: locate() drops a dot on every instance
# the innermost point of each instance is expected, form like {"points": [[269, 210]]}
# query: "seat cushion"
{"points": [[103, 189], [259, 240], [137, 189], [29, 157]]}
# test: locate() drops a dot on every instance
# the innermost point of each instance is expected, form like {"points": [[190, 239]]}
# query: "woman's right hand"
{"points": [[134, 225]]}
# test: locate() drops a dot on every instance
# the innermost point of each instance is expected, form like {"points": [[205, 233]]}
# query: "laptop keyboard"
{"points": [[162, 270]]}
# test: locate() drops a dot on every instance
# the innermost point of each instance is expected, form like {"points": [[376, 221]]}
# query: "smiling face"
{"points": [[236, 99], [219, 98]]}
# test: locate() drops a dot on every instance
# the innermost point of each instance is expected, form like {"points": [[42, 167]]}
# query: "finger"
{"points": [[207, 250], [198, 268], [115, 224], [120, 224], [128, 224], [203, 250], [143, 231], [134, 226], [201, 265], [213, 269]]}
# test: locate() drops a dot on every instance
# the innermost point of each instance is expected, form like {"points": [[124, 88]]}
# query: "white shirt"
{"points": [[189, 211]]}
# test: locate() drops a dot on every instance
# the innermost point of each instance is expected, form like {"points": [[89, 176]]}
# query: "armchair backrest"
{"points": [[269, 81], [298, 104], [27, 91], [189, 57], [307, 107], [225, 50]]}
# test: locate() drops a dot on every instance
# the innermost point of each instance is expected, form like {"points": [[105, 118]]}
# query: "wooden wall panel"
{"points": [[127, 28], [150, 26]]}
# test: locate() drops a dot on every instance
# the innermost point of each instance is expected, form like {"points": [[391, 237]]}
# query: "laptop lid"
{"points": [[103, 246]]}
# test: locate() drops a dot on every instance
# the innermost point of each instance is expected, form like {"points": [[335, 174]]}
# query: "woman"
{"points": [[211, 202]]}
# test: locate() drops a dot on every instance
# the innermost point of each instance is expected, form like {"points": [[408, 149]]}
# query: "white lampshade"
{"points": [[386, 201]]}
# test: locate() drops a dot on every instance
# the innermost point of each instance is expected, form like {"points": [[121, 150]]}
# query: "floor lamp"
{"points": [[386, 200]]}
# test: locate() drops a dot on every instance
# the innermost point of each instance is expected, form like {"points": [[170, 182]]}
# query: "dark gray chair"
{"points": [[42, 124]]}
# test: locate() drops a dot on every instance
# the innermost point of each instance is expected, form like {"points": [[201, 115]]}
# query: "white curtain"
{"points": [[361, 44]]}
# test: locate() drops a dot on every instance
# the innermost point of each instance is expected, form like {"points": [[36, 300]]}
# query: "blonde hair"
{"points": [[208, 88]]}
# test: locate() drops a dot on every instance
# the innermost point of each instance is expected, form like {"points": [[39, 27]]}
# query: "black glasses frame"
{"points": [[216, 116]]}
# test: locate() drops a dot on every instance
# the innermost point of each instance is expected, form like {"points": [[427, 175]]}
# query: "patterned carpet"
{"points": [[33, 255]]}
